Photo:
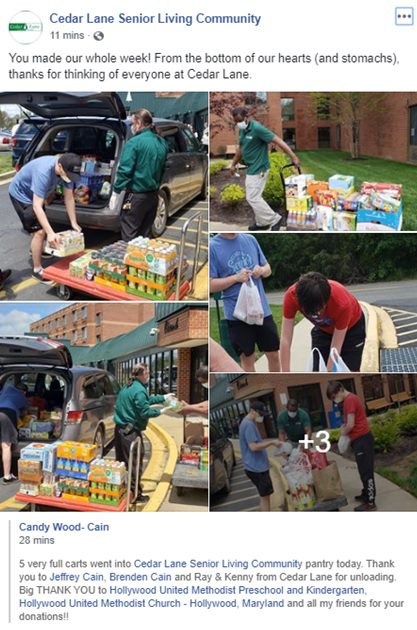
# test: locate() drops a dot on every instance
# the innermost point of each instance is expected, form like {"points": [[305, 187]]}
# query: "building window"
{"points": [[64, 320], [98, 319], [323, 137], [288, 135], [74, 317], [287, 109], [396, 383], [84, 332], [84, 312], [74, 336], [373, 387], [98, 338]]}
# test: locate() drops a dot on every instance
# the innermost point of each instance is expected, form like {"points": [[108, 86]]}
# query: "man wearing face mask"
{"points": [[254, 141], [29, 192], [337, 317], [355, 426], [293, 423], [131, 415], [254, 456], [140, 172]]}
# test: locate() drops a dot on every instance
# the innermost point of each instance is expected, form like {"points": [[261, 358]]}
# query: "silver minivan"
{"points": [[84, 398], [96, 124]]}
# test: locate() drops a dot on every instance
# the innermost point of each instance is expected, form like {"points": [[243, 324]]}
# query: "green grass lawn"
{"points": [[5, 162], [276, 314], [326, 162]]}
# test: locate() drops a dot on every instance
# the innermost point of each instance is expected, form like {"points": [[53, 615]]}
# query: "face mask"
{"points": [[292, 414], [205, 385], [338, 400], [259, 418], [242, 125]]}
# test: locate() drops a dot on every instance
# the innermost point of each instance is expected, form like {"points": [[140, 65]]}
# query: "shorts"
{"points": [[26, 215], [262, 481], [244, 337], [352, 348], [8, 432]]}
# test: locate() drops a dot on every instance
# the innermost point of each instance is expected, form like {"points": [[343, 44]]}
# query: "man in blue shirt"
{"points": [[12, 403], [29, 192], [252, 449], [234, 258]]}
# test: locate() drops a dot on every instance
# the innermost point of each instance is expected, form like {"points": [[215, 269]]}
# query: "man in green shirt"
{"points": [[293, 423], [254, 141], [140, 172], [131, 415]]}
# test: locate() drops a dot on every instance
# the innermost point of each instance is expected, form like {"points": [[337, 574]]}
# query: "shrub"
{"points": [[217, 166], [274, 191], [386, 433], [407, 420], [232, 194], [212, 191]]}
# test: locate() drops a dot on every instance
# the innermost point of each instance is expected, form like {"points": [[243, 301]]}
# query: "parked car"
{"points": [[95, 124], [25, 132], [84, 397], [5, 140], [222, 460]]}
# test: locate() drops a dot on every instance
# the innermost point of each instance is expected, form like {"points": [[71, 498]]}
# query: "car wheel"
{"points": [[161, 218], [203, 193], [99, 442]]}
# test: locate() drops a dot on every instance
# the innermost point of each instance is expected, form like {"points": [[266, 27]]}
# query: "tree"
{"points": [[221, 104], [348, 109]]}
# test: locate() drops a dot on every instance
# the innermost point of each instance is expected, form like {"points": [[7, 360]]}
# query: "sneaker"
{"points": [[142, 498], [365, 507], [256, 228], [361, 497], [38, 275], [276, 226], [9, 479]]}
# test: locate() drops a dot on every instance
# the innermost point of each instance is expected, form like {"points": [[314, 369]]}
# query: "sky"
{"points": [[15, 319]]}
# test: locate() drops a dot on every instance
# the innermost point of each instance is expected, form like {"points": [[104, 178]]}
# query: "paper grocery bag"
{"points": [[327, 482], [193, 432]]}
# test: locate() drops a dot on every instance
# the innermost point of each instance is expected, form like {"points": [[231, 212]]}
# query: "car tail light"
{"points": [[74, 417], [17, 167], [14, 142], [6, 141]]}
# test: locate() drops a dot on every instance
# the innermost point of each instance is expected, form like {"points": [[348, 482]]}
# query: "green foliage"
{"points": [[217, 166], [408, 483], [385, 431], [407, 420], [232, 194], [274, 192], [334, 435], [212, 191]]}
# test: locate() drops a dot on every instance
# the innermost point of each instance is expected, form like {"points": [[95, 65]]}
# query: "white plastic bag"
{"points": [[249, 305], [310, 364], [338, 364], [343, 444]]}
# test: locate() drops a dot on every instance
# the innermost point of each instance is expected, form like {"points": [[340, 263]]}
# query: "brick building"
{"points": [[229, 398], [388, 125], [86, 324]]}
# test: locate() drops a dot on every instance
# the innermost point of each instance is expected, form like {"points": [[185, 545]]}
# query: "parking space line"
{"points": [[413, 323], [403, 318], [407, 332]]}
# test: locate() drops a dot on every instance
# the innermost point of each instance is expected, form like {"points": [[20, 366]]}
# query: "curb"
{"points": [[370, 358], [387, 332], [7, 175], [163, 486]]}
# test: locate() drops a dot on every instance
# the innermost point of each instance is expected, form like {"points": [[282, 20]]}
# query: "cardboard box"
{"points": [[29, 471], [71, 243], [341, 182], [296, 185], [351, 202], [385, 203], [79, 451], [299, 204], [50, 456], [324, 218], [315, 186], [392, 190], [34, 452], [381, 219], [328, 198], [344, 221]]}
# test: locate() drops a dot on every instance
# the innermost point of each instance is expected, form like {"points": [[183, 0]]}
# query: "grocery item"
{"points": [[324, 218], [327, 198], [296, 185], [190, 454], [344, 221], [77, 451], [78, 267], [34, 452], [107, 471], [71, 242], [385, 202], [371, 220], [302, 203], [315, 186], [392, 190], [341, 182], [351, 202], [29, 471]]}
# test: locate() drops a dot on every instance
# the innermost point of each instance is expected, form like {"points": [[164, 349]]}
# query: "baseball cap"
{"points": [[259, 408], [71, 163]]}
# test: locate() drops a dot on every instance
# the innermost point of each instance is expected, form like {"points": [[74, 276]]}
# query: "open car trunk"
{"points": [[48, 395]]}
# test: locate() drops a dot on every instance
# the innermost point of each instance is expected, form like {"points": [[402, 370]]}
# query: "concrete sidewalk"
{"points": [[300, 349]]}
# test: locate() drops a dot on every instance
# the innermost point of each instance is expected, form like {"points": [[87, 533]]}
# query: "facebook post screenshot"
{"points": [[208, 313]]}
